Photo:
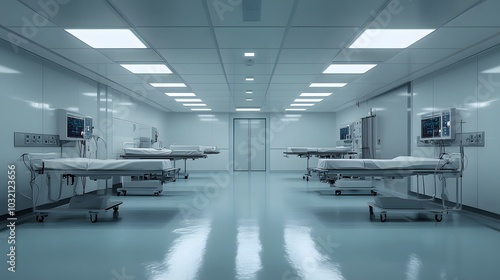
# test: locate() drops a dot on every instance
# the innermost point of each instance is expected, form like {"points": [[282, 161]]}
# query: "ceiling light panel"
{"points": [[180, 94], [295, 109], [302, 104], [108, 38], [187, 100], [194, 104], [389, 38], [298, 100], [247, 109], [168, 84], [348, 68], [249, 54], [315, 94], [147, 68], [327, 84], [201, 109]]}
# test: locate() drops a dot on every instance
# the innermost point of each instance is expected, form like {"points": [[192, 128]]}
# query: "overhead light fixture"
{"points": [[249, 99], [298, 100], [315, 94], [7, 70], [249, 54], [188, 100], [168, 84], [494, 70], [389, 38], [249, 91], [327, 84], [108, 38], [302, 104], [247, 109], [195, 104], [348, 68], [249, 79], [180, 94], [147, 68], [201, 109], [295, 109]]}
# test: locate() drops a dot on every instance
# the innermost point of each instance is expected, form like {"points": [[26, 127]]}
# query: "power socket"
{"points": [[22, 139]]}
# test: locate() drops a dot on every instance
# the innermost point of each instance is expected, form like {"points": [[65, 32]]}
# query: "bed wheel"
{"points": [[156, 193], [338, 192], [118, 193], [186, 176], [307, 178], [438, 217], [93, 218], [124, 193], [40, 218], [303, 177], [374, 193], [370, 208], [383, 217]]}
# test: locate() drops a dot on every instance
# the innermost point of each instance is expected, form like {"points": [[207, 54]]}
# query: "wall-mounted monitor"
{"points": [[73, 126], [438, 125], [345, 132]]}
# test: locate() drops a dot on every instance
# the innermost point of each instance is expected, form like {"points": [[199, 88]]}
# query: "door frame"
{"points": [[265, 142]]}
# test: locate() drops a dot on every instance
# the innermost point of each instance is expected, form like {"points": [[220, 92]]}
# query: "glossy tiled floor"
{"points": [[254, 226]]}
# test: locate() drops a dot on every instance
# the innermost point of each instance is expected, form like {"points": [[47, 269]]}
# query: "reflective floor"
{"points": [[254, 226]]}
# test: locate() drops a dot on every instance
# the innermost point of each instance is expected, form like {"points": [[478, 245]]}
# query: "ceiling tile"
{"points": [[299, 69], [209, 87], [131, 55], [249, 37], [365, 55], [335, 12], [190, 55], [307, 55], [163, 13], [178, 37], [292, 79], [421, 55], [241, 69], [455, 37], [204, 79], [11, 10], [483, 15], [83, 55], [236, 56], [197, 69], [75, 14], [318, 37]]}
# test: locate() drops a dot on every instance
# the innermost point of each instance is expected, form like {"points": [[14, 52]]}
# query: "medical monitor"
{"points": [[71, 125], [345, 133], [438, 125]]}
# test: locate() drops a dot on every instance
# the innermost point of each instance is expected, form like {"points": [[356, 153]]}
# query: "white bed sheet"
{"points": [[84, 164], [147, 151], [318, 150], [403, 162]]}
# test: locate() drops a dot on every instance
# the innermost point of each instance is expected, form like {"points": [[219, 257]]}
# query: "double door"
{"points": [[249, 144]]}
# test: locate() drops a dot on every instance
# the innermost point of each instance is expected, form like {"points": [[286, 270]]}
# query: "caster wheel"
{"points": [[40, 218], [374, 193], [438, 217], [307, 178], [383, 217], [303, 177], [93, 218], [124, 193], [118, 193], [157, 194], [187, 176], [338, 192], [370, 208]]}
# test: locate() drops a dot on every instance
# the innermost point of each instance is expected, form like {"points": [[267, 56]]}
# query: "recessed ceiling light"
{"points": [[249, 54], [249, 91], [316, 94], [327, 84], [249, 99], [301, 104], [147, 68], [308, 100], [168, 84], [389, 38], [247, 109], [180, 94], [295, 109], [249, 79], [188, 100], [348, 68], [195, 104], [201, 109], [108, 38]]}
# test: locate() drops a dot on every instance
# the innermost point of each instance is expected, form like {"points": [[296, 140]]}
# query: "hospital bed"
{"points": [[308, 152], [332, 170], [70, 169], [175, 152]]}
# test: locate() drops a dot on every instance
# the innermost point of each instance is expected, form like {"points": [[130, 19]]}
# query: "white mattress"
{"points": [[403, 162], [185, 148], [147, 151], [304, 150], [84, 164]]}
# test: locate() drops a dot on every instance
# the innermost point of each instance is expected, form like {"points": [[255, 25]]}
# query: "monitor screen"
{"points": [[430, 127], [75, 127], [344, 133]]}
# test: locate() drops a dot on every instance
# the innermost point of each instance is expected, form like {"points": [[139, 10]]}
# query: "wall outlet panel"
{"points": [[469, 139], [24, 139]]}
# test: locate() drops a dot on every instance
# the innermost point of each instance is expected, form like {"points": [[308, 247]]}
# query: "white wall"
{"points": [[475, 92]]}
